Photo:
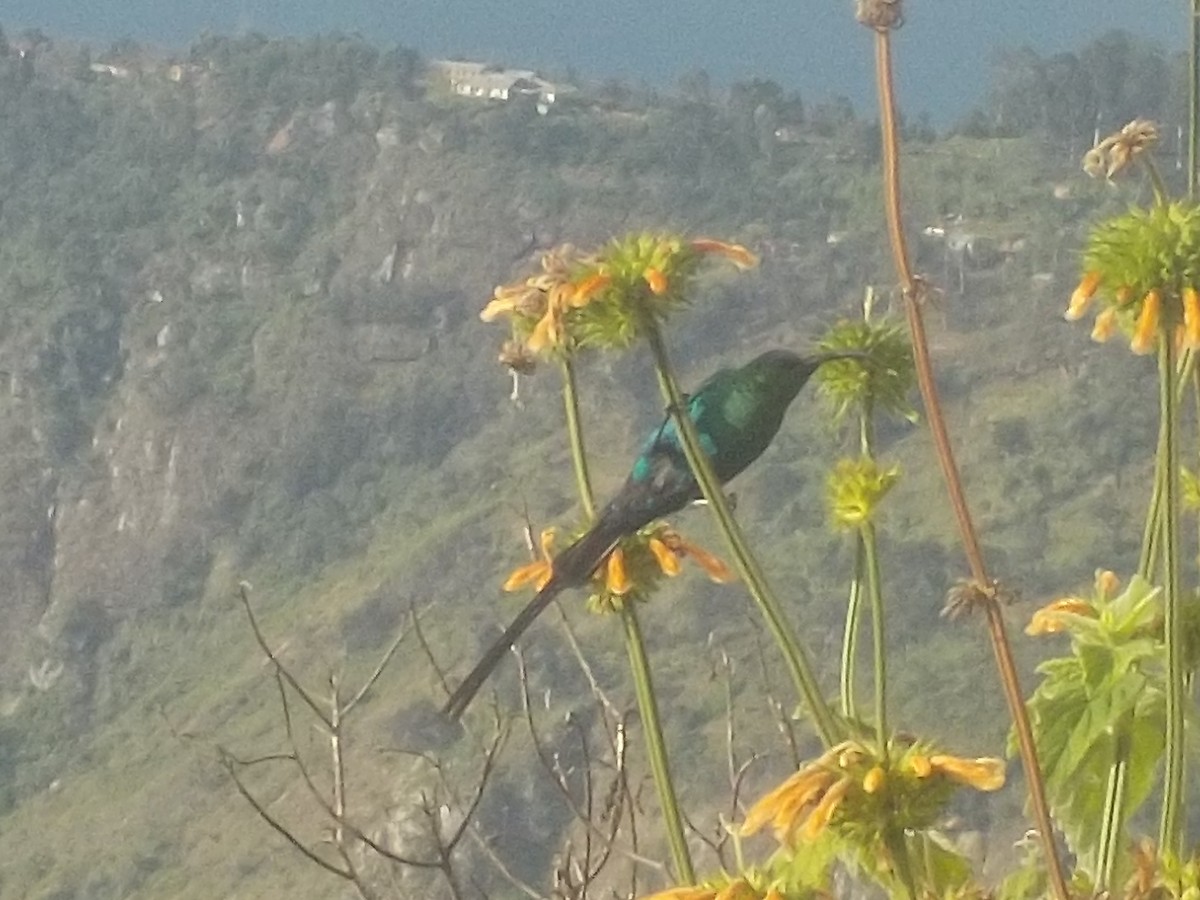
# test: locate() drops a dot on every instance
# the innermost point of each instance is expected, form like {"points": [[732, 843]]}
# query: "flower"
{"points": [[539, 303], [1117, 151], [881, 382], [1106, 325], [863, 793], [855, 488], [1141, 270], [1082, 296], [983, 774], [742, 888], [538, 572], [1191, 318], [1146, 330], [647, 276], [1053, 617], [669, 547], [616, 578]]}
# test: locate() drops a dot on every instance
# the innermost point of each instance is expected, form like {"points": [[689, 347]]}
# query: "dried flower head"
{"points": [[1114, 154], [881, 15]]}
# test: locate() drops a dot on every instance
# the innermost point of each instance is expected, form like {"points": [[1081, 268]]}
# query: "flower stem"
{"points": [[1170, 831], [656, 747], [583, 480], [913, 294], [875, 594], [747, 566], [639, 663], [850, 636], [1113, 821]]}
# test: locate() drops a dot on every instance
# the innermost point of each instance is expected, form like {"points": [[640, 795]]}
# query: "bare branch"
{"points": [[374, 676], [230, 764], [281, 671]]}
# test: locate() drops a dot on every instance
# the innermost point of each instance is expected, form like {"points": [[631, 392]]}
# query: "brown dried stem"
{"points": [[914, 290]]}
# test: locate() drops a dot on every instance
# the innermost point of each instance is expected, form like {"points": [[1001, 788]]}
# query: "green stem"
{"points": [[656, 747], [583, 480], [1193, 100], [1170, 831], [850, 636], [1153, 527], [639, 663], [1113, 821], [747, 566], [876, 595]]}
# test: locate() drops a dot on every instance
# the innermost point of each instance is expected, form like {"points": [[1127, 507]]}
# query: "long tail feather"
{"points": [[572, 568]]}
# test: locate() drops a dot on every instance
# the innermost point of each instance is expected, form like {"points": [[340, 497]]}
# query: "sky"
{"points": [[811, 46]]}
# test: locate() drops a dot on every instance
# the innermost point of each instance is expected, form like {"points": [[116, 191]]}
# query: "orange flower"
{"points": [[616, 578], [1191, 318], [1145, 332], [538, 572], [735, 253], [1082, 296], [983, 774], [782, 807], [815, 823], [656, 280], [875, 780], [669, 547], [1106, 325], [1052, 618]]}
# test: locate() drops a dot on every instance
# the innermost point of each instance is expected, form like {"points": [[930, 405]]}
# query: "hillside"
{"points": [[239, 293]]}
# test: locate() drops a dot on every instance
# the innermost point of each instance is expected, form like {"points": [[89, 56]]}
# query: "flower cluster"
{"points": [[602, 299], [631, 570], [1144, 267], [862, 792], [1106, 617], [882, 384], [855, 488]]}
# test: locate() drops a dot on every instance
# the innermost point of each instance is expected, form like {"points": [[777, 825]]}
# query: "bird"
{"points": [[737, 413]]}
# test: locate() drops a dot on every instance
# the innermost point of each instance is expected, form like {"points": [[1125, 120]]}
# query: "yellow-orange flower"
{"points": [[830, 801], [1082, 296], [735, 253], [616, 579], [983, 774], [1106, 325], [656, 280], [875, 780], [738, 889], [1052, 618], [1191, 318], [1145, 332], [538, 572], [783, 807], [669, 547]]}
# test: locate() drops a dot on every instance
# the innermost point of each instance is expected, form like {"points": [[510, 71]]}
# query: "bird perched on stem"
{"points": [[737, 413]]}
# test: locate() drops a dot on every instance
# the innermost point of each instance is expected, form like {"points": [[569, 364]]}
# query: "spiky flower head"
{"points": [[1143, 267], [642, 279], [882, 382], [862, 793], [855, 488], [606, 298]]}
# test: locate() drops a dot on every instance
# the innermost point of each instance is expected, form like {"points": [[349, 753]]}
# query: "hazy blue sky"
{"points": [[813, 46]]}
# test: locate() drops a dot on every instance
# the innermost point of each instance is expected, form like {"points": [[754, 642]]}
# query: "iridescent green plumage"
{"points": [[737, 413]]}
